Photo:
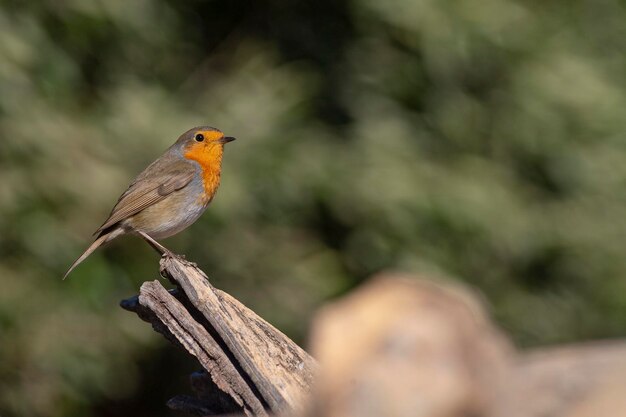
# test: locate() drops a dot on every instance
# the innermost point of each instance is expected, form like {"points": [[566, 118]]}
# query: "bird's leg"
{"points": [[163, 251]]}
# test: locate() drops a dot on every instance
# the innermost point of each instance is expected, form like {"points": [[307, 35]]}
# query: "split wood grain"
{"points": [[260, 370]]}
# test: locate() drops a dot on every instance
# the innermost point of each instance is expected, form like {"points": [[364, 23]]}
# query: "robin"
{"points": [[170, 194]]}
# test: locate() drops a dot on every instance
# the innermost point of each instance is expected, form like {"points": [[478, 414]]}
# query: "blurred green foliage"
{"points": [[478, 140]]}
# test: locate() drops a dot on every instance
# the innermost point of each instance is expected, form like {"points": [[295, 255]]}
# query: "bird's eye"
{"points": [[199, 137]]}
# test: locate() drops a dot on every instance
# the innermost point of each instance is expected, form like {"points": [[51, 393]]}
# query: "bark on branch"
{"points": [[250, 365]]}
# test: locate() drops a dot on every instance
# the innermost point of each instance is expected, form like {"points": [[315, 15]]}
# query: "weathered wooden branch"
{"points": [[250, 365]]}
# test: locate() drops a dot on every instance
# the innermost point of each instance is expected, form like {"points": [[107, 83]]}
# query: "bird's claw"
{"points": [[180, 258]]}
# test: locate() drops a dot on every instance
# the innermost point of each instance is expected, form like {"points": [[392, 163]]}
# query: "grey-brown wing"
{"points": [[147, 190]]}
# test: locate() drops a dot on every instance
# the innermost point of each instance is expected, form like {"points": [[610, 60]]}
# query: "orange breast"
{"points": [[209, 156]]}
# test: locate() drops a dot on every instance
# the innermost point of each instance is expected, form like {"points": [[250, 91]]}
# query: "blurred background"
{"points": [[472, 140]]}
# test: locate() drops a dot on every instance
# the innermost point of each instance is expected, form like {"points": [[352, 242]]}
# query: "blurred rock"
{"points": [[585, 380], [403, 347], [400, 346]]}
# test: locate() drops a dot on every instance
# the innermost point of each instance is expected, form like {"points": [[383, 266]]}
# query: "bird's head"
{"points": [[203, 144]]}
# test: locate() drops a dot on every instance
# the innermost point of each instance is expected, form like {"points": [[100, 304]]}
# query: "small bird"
{"points": [[170, 194]]}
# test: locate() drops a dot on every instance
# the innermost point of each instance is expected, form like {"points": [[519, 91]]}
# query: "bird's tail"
{"points": [[101, 240]]}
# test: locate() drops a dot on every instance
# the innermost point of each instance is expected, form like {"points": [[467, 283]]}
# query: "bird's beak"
{"points": [[226, 139]]}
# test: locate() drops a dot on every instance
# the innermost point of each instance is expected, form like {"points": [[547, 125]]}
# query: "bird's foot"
{"points": [[180, 258], [168, 255]]}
